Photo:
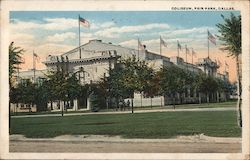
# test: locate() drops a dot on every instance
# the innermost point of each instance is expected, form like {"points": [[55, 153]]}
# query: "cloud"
{"points": [[22, 38], [187, 32], [107, 24], [115, 32], [133, 43], [23, 25], [55, 24], [61, 37], [60, 23], [129, 43]]}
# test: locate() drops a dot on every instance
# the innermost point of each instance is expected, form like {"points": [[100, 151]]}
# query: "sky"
{"points": [[53, 32]]}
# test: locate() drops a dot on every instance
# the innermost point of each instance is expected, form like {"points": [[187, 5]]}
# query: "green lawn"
{"points": [[138, 125]]}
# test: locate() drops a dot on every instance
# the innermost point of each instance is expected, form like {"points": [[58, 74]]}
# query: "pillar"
{"points": [[75, 105], [88, 104]]}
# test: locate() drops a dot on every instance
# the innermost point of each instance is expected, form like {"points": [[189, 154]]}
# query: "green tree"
{"points": [[57, 82], [128, 76], [72, 88], [153, 86], [145, 77], [135, 73], [230, 35], [15, 59], [42, 95], [29, 92], [207, 84], [173, 80]]}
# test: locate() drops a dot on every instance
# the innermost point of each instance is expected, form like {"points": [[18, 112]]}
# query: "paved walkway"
{"points": [[116, 144], [136, 111]]}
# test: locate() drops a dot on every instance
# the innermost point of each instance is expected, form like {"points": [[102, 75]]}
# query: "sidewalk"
{"points": [[106, 138], [116, 144]]}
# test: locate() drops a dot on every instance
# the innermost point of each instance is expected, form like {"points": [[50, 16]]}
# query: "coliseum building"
{"points": [[93, 60]]}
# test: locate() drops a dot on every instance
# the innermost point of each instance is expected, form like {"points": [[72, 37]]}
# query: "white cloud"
{"points": [[85, 37], [152, 42], [60, 23], [23, 25], [22, 38], [107, 24], [49, 24], [190, 32], [55, 24], [61, 37], [53, 48], [130, 43], [115, 32], [133, 43]]}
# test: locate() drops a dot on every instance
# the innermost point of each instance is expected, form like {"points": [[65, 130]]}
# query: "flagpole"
{"points": [[160, 46], [192, 55], [138, 50], [207, 45], [177, 49], [34, 66], [80, 56], [186, 53], [226, 67], [192, 59]]}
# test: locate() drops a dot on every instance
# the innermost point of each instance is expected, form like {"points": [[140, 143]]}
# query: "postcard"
{"points": [[125, 80]]}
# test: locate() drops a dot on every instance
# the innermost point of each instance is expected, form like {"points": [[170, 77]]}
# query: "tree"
{"points": [[230, 35], [15, 59], [57, 82], [43, 94], [135, 76], [27, 93], [72, 88], [207, 85], [173, 80], [145, 77], [153, 86], [128, 76]]}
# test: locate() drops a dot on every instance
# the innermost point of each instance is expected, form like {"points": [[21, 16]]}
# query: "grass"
{"points": [[137, 125]]}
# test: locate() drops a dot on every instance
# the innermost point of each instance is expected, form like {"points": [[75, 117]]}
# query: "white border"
{"points": [[77, 5]]}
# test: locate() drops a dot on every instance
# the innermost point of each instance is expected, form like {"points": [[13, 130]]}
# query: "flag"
{"points": [[211, 38], [140, 45], [179, 45], [84, 22], [163, 42], [187, 50], [36, 57], [193, 52]]}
